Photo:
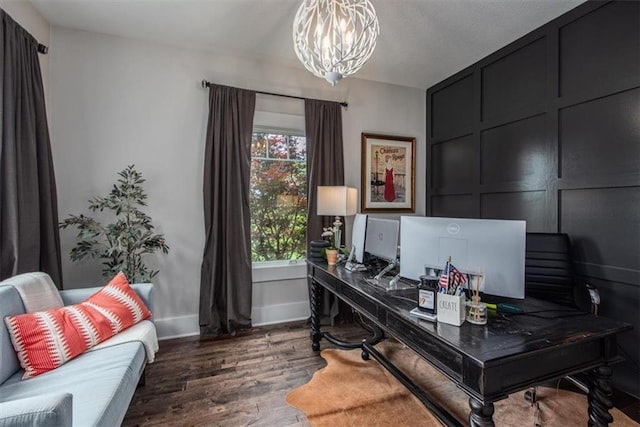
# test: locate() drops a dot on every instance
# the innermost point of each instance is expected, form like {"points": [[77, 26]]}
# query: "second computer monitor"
{"points": [[382, 238], [494, 249], [358, 237]]}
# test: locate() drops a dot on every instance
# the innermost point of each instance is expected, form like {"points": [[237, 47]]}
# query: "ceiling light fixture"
{"points": [[334, 38]]}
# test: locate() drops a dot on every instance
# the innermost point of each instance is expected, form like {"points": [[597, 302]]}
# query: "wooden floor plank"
{"points": [[230, 382], [240, 381]]}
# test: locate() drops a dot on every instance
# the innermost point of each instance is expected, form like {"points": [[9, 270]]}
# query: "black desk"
{"points": [[509, 354]]}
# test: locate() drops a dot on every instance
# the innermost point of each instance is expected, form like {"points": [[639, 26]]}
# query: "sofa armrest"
{"points": [[43, 410], [76, 296]]}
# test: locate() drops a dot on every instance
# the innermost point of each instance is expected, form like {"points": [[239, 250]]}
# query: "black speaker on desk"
{"points": [[315, 250]]}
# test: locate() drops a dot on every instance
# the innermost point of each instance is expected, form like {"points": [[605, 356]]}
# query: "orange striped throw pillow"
{"points": [[44, 340], [119, 304]]}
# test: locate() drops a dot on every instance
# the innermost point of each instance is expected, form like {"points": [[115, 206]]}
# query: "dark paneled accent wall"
{"points": [[547, 130]]}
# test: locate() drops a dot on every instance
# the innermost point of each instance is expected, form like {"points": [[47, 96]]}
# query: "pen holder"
{"points": [[476, 313], [451, 309]]}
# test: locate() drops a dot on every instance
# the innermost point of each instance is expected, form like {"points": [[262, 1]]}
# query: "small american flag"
{"points": [[451, 278], [459, 279], [444, 278]]}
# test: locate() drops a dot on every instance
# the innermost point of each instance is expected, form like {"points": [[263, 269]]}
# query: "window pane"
{"points": [[259, 145], [278, 198], [297, 148], [278, 145]]}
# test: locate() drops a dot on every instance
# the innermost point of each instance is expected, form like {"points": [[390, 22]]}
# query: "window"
{"points": [[278, 196]]}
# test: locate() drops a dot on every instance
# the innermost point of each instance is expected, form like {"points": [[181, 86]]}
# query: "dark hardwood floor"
{"points": [[238, 381], [242, 381]]}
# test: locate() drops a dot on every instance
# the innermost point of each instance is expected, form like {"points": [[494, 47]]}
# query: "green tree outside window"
{"points": [[278, 196]]}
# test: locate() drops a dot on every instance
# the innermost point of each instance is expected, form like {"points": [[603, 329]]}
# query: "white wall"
{"points": [[117, 101], [389, 110], [279, 294]]}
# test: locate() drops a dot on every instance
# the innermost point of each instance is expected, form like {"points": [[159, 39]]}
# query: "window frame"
{"points": [[284, 264]]}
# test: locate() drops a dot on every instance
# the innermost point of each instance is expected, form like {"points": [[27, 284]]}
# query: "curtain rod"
{"points": [[206, 84], [40, 48]]}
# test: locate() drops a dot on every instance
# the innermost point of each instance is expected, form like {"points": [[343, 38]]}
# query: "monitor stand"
{"points": [[353, 266], [386, 283], [385, 270], [390, 284]]}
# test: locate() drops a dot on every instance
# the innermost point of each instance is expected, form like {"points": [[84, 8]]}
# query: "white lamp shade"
{"points": [[337, 200]]}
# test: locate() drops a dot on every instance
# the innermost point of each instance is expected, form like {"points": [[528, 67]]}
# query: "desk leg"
{"points": [[481, 415], [316, 335], [599, 397]]}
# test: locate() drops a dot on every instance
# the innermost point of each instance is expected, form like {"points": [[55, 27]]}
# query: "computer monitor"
{"points": [[358, 235], [381, 241], [355, 262], [381, 238], [493, 248]]}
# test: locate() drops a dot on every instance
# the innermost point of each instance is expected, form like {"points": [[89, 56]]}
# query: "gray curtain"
{"points": [[325, 157], [29, 238], [325, 166], [225, 281]]}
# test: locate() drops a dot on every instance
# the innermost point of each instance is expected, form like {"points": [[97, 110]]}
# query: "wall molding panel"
{"points": [[547, 130]]}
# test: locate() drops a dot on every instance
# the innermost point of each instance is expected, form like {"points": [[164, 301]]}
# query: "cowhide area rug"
{"points": [[352, 392]]}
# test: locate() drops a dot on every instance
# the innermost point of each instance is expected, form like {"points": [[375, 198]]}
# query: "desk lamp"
{"points": [[337, 201]]}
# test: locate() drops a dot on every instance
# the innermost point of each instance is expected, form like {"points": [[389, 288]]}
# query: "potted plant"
{"points": [[122, 243], [332, 233]]}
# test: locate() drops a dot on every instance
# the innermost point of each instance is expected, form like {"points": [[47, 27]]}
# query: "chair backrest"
{"points": [[549, 268]]}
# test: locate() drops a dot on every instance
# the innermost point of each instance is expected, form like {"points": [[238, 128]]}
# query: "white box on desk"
{"points": [[451, 309]]}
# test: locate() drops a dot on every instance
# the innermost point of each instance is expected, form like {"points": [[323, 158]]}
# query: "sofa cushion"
{"points": [[102, 383], [42, 410], [46, 340]]}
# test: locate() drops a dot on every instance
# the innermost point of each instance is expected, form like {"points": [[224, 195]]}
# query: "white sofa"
{"points": [[93, 389]]}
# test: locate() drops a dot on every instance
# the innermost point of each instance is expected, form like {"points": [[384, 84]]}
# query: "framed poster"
{"points": [[388, 168]]}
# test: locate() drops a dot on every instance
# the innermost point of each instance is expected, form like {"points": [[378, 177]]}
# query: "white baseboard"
{"points": [[177, 327], [280, 313], [184, 326]]}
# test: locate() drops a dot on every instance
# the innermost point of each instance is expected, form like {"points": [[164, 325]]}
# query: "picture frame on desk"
{"points": [[388, 173]]}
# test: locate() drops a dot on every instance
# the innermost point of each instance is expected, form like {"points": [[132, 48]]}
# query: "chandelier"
{"points": [[334, 38]]}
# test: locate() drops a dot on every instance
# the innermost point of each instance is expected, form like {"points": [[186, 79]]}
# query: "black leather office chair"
{"points": [[549, 275]]}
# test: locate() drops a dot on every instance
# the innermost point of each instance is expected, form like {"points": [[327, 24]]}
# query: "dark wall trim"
{"points": [[547, 129]]}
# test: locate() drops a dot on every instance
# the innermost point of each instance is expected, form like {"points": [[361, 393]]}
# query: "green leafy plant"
{"points": [[122, 243]]}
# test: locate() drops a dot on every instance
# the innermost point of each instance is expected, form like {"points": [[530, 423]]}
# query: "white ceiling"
{"points": [[421, 41]]}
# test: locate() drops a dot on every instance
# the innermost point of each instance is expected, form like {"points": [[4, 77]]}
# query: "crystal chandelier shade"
{"points": [[334, 38]]}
